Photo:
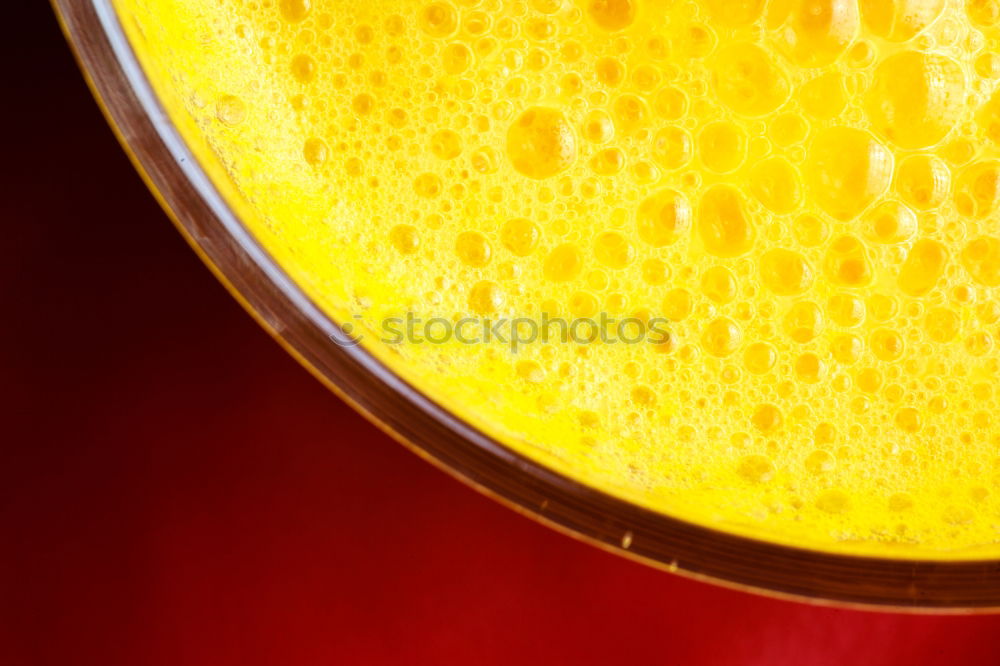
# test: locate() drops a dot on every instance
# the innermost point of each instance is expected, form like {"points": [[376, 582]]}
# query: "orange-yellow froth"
{"points": [[807, 190]]}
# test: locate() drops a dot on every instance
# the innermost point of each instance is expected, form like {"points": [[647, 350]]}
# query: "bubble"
{"points": [[958, 515], [977, 192], [833, 501], [767, 418], [964, 294], [485, 160], [724, 226], [887, 345], [363, 104], [803, 322], [671, 103], [354, 167], [438, 19], [678, 304], [397, 118], [809, 368], [520, 236], [882, 307], [988, 66], [608, 162], [891, 222], [646, 77], [486, 297], [530, 371], [719, 284], [908, 420], [540, 29], [989, 312], [516, 87], [722, 146], [901, 502], [981, 258], [546, 6], [365, 34], [473, 249], [759, 358], [315, 151], [583, 304], [755, 469], [564, 263], [942, 325], [847, 263], [957, 152], [541, 143], [446, 145], [590, 419], [721, 337], [631, 113], [938, 404], [673, 148], [900, 20], [748, 81], [428, 185], [655, 272], [303, 68], [456, 58], [610, 72], [988, 118], [846, 310], [230, 110], [645, 172], [820, 462], [979, 343], [847, 349], [916, 98], [663, 218], [394, 25], [985, 13], [697, 41], [572, 84], [613, 250], [816, 32], [869, 380], [923, 181], [785, 272], [598, 127], [405, 238], [923, 268], [295, 11], [612, 15], [847, 170]]}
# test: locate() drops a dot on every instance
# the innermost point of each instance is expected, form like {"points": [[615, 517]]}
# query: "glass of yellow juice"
{"points": [[714, 284]]}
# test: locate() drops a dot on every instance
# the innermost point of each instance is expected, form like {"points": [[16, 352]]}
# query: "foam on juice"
{"points": [[806, 189]]}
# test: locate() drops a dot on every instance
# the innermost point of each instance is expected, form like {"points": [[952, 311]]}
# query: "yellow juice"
{"points": [[786, 209]]}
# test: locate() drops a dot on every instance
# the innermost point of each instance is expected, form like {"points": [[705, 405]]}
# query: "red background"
{"points": [[174, 489]]}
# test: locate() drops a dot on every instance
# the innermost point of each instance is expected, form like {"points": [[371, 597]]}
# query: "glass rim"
{"points": [[254, 278]]}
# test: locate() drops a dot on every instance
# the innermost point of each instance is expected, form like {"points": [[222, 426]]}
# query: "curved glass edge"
{"points": [[211, 227]]}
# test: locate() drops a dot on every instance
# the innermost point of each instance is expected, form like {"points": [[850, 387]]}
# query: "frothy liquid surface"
{"points": [[806, 189]]}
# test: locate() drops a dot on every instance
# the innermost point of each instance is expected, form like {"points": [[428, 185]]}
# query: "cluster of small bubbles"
{"points": [[230, 110], [805, 190]]}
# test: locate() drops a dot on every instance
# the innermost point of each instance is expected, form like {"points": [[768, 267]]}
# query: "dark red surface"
{"points": [[174, 489]]}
